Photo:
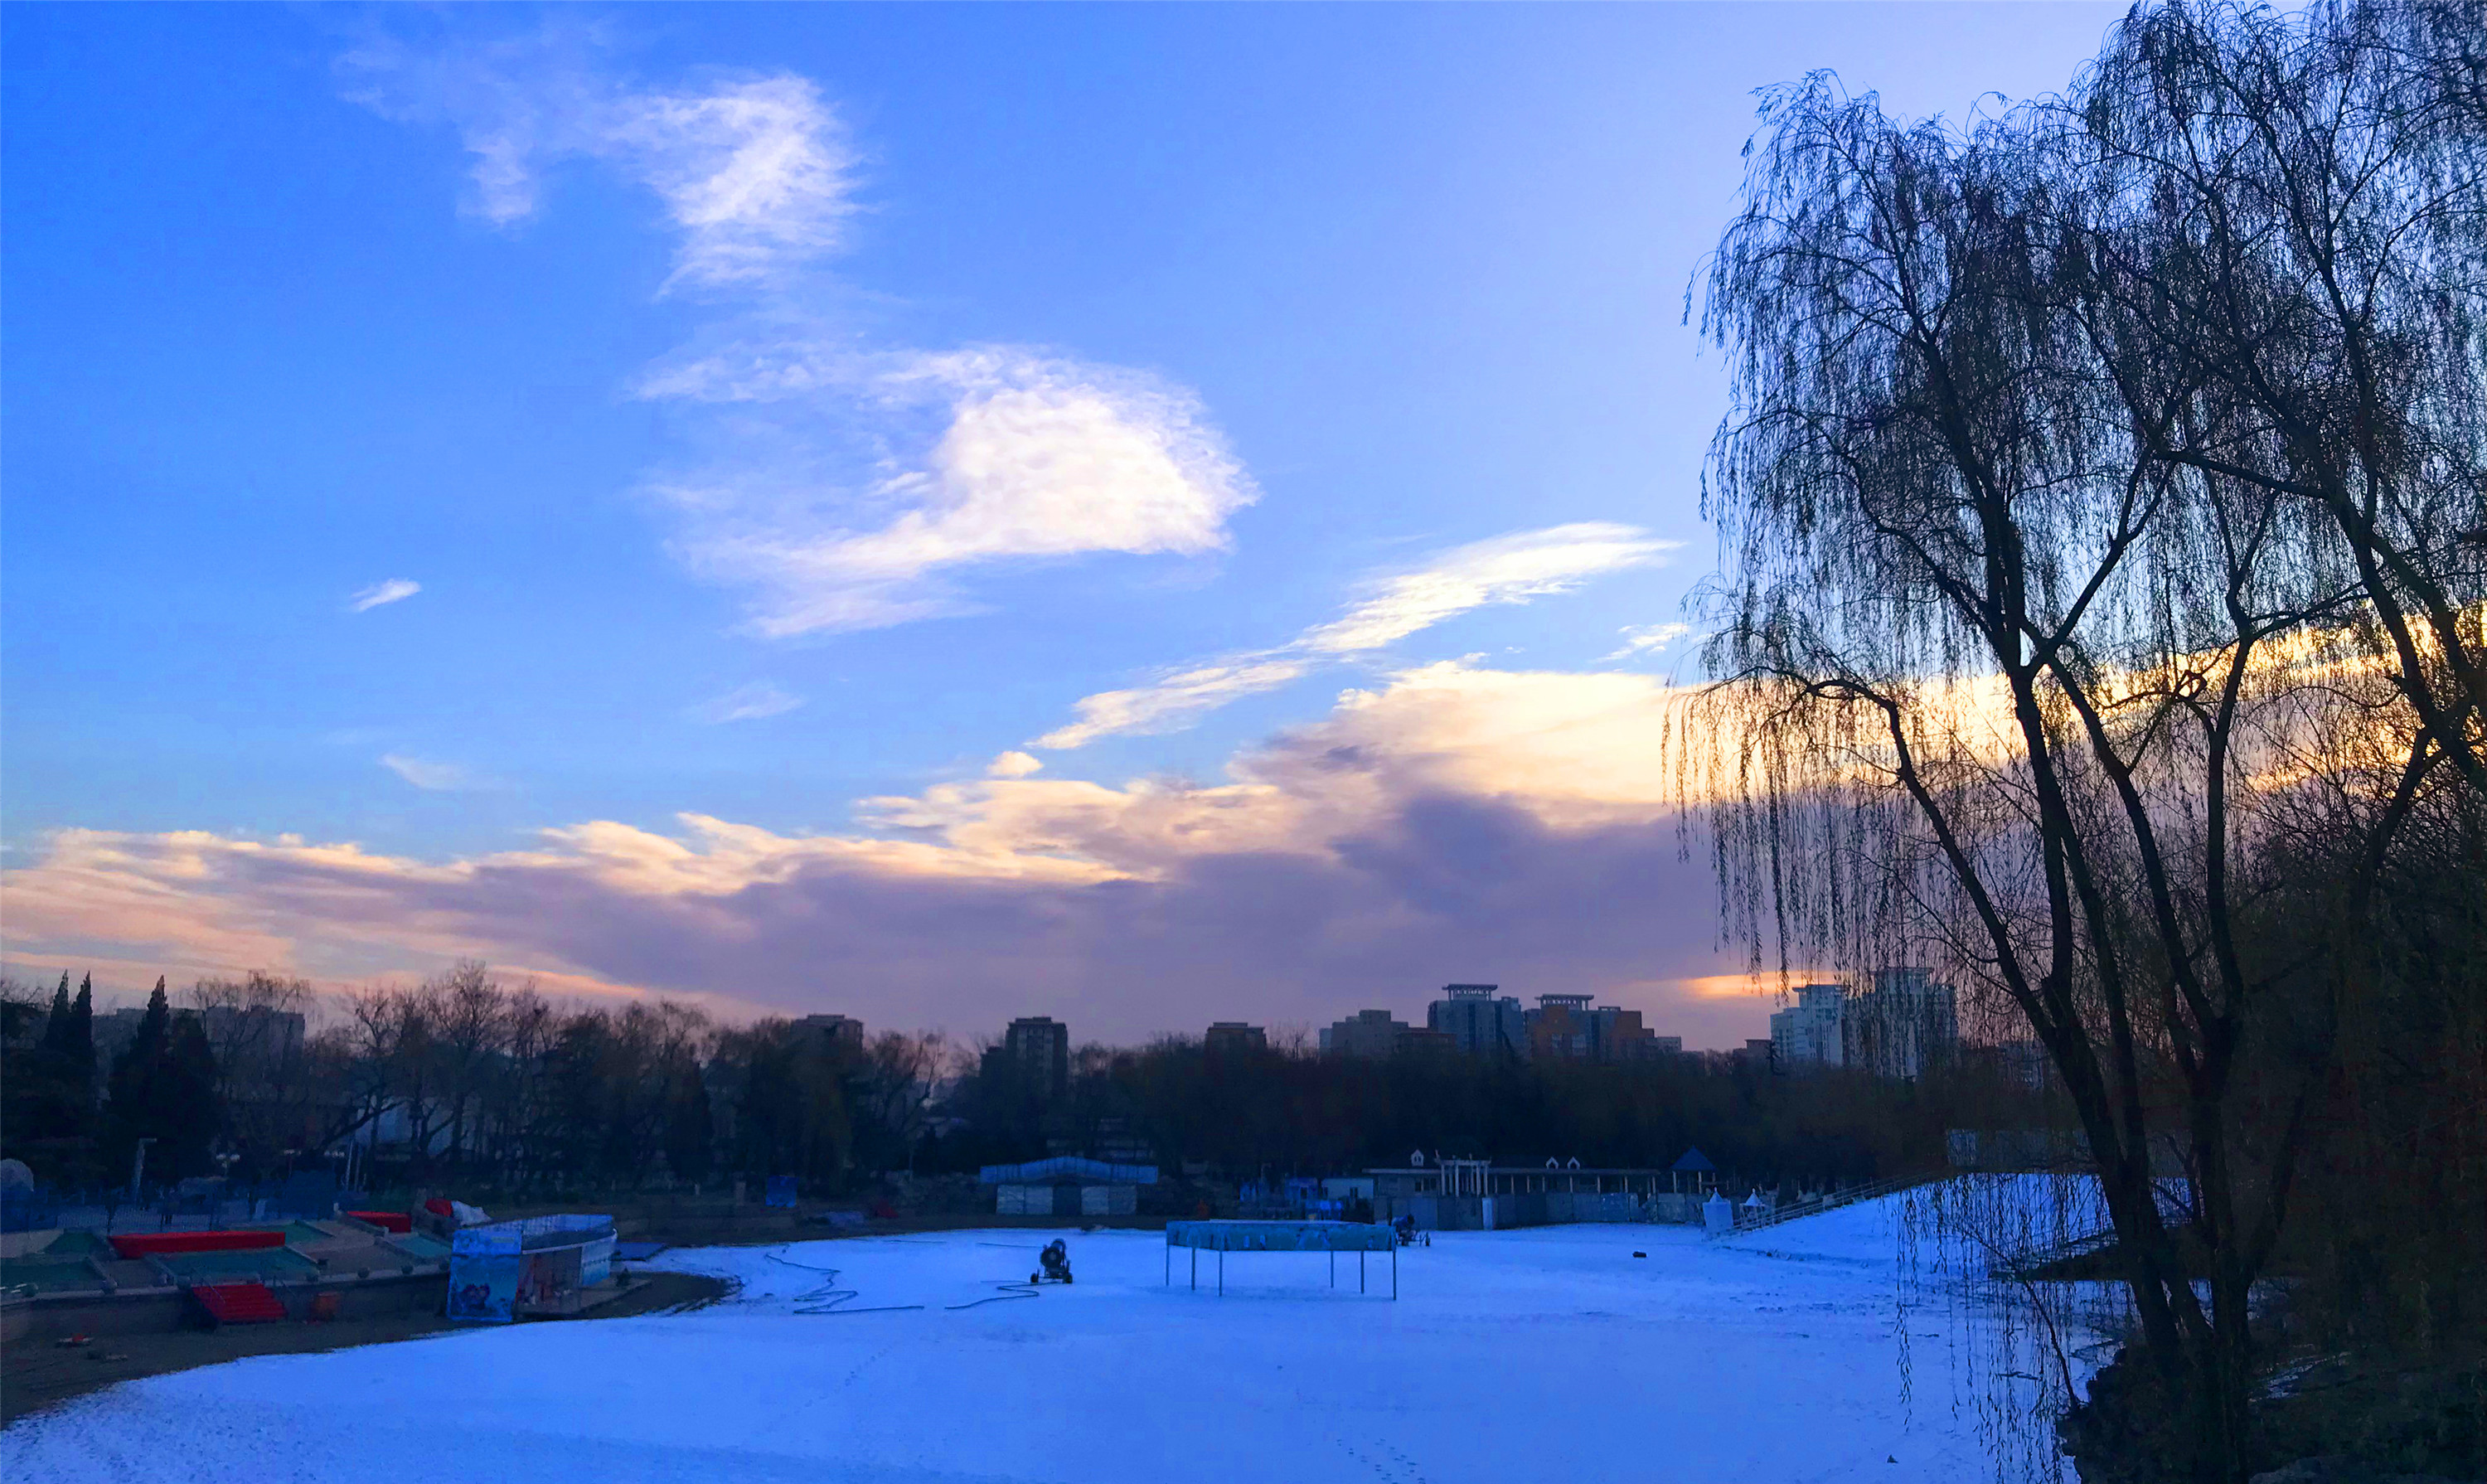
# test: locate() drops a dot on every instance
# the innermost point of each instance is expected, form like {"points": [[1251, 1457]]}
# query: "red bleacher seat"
{"points": [[157, 1243], [396, 1221], [238, 1303]]}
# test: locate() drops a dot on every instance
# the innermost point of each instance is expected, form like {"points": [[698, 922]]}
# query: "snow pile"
{"points": [[1553, 1353]]}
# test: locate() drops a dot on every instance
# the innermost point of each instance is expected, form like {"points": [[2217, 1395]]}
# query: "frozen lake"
{"points": [[1546, 1354]]}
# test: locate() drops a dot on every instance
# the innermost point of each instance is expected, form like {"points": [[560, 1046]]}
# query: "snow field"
{"points": [[1544, 1354]]}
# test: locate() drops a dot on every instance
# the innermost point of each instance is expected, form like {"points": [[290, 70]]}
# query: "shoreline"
{"points": [[38, 1375]]}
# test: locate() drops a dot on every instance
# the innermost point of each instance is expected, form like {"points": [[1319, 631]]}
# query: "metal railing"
{"points": [[1833, 1201]]}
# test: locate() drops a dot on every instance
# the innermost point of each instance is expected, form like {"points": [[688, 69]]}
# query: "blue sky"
{"points": [[962, 455]]}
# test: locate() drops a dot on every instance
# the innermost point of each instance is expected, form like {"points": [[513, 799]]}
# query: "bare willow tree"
{"points": [[2076, 527], [2293, 220]]}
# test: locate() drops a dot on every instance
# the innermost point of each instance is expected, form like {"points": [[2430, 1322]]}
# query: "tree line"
{"points": [[457, 1079], [462, 1081], [160, 1093]]}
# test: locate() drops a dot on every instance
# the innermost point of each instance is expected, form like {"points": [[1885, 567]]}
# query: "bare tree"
{"points": [[259, 1026], [2050, 591]]}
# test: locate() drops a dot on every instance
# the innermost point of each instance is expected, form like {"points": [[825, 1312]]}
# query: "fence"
{"points": [[1756, 1221]]}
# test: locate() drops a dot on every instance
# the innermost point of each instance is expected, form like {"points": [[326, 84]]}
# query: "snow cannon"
{"points": [[1056, 1259]]}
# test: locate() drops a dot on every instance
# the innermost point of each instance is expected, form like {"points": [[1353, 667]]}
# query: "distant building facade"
{"points": [[1036, 1050], [1808, 1034], [838, 1033], [1617, 1034], [1571, 1027], [1227, 1037], [1902, 1023], [1897, 1022], [1478, 1021], [1375, 1034], [1561, 1029]]}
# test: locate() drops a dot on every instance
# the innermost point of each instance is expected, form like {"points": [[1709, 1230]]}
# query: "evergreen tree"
{"points": [[130, 1109], [184, 1102], [77, 1054], [50, 1103], [56, 1026]]}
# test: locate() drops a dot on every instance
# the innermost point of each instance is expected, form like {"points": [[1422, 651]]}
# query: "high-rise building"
{"points": [[1900, 1022], [1891, 1023], [838, 1034], [1037, 1047], [1561, 1027], [1570, 1026], [1808, 1034], [1378, 1033], [1228, 1037], [1480, 1021], [1616, 1034]]}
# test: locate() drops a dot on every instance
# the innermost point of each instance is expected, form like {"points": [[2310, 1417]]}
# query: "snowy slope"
{"points": [[1540, 1353]]}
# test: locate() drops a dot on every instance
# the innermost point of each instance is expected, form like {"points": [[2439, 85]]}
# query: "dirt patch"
{"points": [[35, 1374]]}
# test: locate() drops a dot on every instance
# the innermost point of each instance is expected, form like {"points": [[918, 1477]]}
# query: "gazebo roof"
{"points": [[1694, 1163]]}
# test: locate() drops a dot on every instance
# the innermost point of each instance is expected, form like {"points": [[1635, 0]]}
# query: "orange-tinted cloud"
{"points": [[1452, 825]]}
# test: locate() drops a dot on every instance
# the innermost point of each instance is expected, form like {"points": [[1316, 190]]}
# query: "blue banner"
{"points": [[483, 1268]]}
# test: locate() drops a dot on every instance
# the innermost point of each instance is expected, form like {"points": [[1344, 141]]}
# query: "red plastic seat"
{"points": [[238, 1303]]}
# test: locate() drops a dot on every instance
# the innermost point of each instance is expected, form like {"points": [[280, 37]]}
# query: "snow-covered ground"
{"points": [[1546, 1354]]}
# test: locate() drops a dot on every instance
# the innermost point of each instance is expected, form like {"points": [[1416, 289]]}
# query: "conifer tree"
{"points": [[131, 1110], [183, 1100], [78, 1051], [56, 1026]]}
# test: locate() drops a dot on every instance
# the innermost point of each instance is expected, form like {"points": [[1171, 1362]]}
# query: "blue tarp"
{"points": [[1069, 1170], [307, 1192], [28, 1209], [781, 1191]]}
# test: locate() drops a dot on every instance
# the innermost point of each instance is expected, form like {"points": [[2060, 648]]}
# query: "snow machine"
{"points": [[1056, 1259]]}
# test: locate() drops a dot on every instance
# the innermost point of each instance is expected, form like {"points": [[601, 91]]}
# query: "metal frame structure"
{"points": [[1330, 1236]]}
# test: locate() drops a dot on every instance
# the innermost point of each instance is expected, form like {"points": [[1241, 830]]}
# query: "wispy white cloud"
{"points": [[755, 702], [394, 590], [1512, 568], [1649, 639], [1173, 702], [756, 173], [1503, 570], [844, 486], [423, 774]]}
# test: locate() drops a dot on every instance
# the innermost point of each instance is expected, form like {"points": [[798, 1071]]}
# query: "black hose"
{"points": [[1010, 1289], [830, 1298]]}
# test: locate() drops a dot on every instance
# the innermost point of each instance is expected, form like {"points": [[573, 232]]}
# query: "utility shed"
{"points": [[1068, 1186]]}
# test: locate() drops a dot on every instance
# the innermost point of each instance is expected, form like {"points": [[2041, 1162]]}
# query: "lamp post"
{"points": [[138, 1169]]}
